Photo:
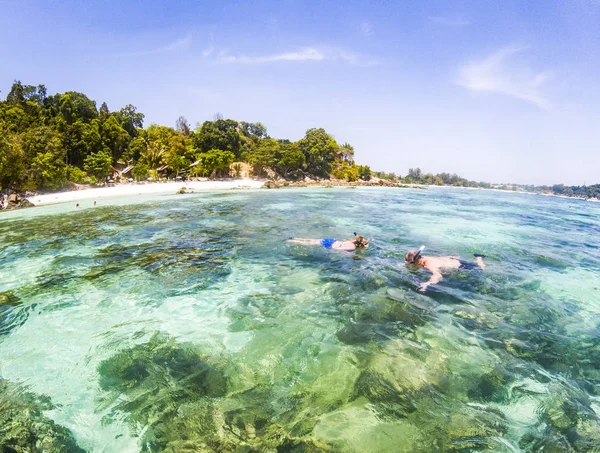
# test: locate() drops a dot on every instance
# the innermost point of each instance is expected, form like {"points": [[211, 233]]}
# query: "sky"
{"points": [[498, 91]]}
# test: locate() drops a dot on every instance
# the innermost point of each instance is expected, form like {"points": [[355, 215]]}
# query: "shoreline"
{"points": [[174, 187], [140, 189]]}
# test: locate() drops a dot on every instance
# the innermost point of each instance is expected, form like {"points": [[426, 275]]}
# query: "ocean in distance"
{"points": [[186, 323]]}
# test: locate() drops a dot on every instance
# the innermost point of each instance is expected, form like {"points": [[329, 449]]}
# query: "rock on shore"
{"points": [[16, 201]]}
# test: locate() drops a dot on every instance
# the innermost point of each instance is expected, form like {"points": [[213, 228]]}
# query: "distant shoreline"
{"points": [[593, 200], [98, 193]]}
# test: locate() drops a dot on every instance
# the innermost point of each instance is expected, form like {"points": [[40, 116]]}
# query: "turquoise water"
{"points": [[187, 323]]}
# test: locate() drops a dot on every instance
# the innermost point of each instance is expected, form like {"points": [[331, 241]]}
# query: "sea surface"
{"points": [[171, 323]]}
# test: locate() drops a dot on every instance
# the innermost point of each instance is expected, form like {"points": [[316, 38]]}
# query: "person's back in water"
{"points": [[438, 264]]}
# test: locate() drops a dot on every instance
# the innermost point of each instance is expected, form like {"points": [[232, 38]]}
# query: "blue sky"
{"points": [[502, 91]]}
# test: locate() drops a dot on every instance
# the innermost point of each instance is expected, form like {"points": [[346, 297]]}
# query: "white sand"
{"points": [[142, 189]]}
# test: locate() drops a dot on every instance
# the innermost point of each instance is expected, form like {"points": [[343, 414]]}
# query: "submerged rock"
{"points": [[25, 429], [8, 298], [179, 399]]}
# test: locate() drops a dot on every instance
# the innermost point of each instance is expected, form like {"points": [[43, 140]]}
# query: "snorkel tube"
{"points": [[418, 254]]}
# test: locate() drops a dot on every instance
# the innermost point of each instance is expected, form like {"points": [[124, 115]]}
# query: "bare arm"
{"points": [[435, 278]]}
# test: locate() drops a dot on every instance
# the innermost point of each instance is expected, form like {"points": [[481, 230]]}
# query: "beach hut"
{"points": [[118, 174]]}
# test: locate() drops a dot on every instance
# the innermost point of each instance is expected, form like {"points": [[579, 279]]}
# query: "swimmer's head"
{"points": [[414, 255], [360, 241]]}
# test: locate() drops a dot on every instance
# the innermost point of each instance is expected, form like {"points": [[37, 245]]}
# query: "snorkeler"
{"points": [[440, 263], [357, 243]]}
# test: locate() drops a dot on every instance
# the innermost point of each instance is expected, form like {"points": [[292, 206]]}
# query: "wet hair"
{"points": [[360, 241]]}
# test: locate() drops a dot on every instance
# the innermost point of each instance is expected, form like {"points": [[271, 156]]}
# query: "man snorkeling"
{"points": [[436, 265], [358, 243]]}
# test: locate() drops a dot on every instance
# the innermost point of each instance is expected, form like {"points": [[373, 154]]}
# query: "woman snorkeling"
{"points": [[329, 243]]}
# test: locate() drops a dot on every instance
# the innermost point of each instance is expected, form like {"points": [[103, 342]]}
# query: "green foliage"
{"points": [[351, 172], [73, 106], [320, 150], [115, 139], [154, 155], [220, 134], [82, 139], [265, 156], [37, 130], [291, 160], [215, 161], [140, 171], [11, 158], [77, 175], [98, 164], [257, 130], [364, 172], [48, 171], [347, 171], [130, 119]]}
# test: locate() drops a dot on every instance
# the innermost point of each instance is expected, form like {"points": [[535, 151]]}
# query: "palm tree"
{"points": [[153, 156]]}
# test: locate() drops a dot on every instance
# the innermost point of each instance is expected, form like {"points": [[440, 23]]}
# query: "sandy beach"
{"points": [[141, 189]]}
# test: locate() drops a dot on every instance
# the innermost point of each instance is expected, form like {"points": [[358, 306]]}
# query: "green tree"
{"points": [[98, 164], [115, 139], [140, 171], [82, 139], [48, 171], [265, 156], [42, 139], [77, 175], [153, 157], [320, 150], [291, 160], [257, 130], [12, 158], [215, 161], [73, 106], [364, 172], [130, 119], [179, 153], [220, 134]]}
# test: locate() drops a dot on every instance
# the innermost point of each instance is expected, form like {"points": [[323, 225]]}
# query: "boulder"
{"points": [[271, 185], [15, 201]]}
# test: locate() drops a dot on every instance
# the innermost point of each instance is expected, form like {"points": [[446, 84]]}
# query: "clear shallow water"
{"points": [[186, 323]]}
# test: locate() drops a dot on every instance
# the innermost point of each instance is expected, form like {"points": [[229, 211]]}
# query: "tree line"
{"points": [[417, 176], [50, 141]]}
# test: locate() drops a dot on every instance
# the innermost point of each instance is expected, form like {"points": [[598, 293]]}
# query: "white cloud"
{"points": [[451, 21], [208, 51], [498, 73], [366, 28], [180, 44], [303, 54]]}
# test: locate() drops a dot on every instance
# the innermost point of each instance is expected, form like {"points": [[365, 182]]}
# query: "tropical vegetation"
{"points": [[50, 141]]}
